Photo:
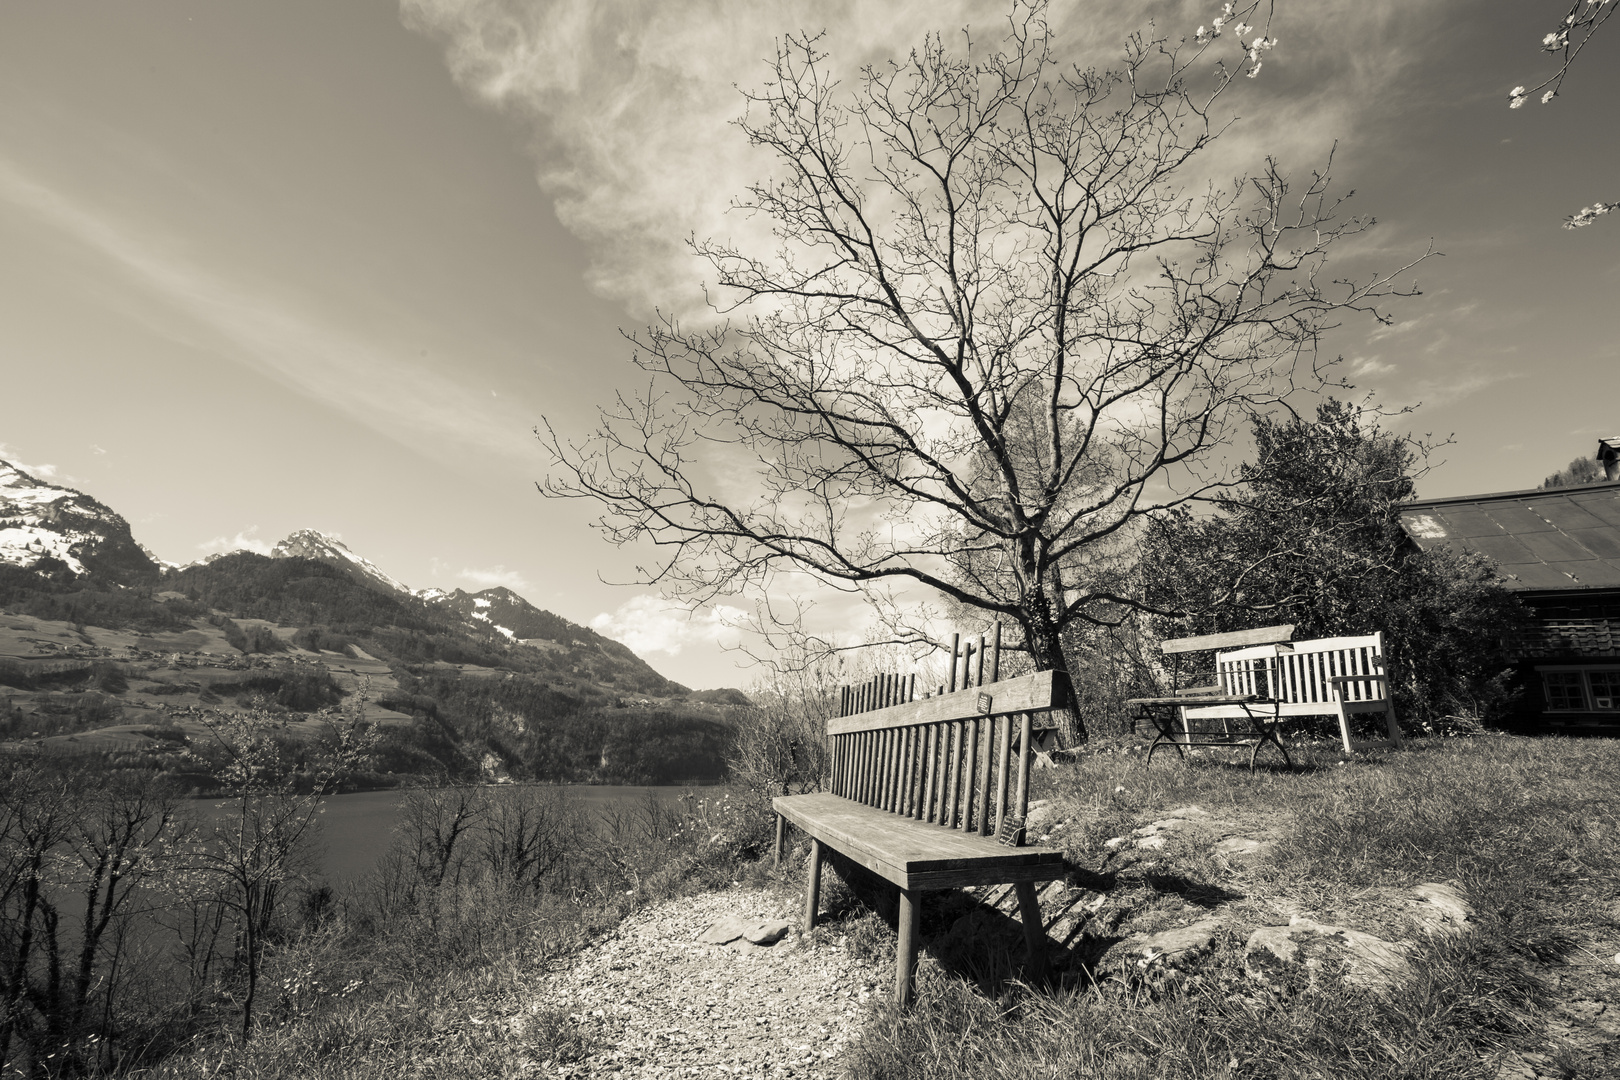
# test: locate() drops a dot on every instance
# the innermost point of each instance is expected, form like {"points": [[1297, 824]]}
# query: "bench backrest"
{"points": [[1298, 674], [949, 758]]}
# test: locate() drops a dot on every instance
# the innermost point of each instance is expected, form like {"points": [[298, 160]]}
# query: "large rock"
{"points": [[1305, 950], [734, 929], [1175, 948], [1441, 909]]}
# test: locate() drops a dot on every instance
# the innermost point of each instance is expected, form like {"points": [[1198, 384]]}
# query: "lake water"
{"points": [[357, 828]]}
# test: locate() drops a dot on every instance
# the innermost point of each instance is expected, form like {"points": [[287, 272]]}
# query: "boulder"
{"points": [[767, 931], [1244, 848], [1305, 950], [745, 933], [1440, 909], [728, 929], [1174, 948]]}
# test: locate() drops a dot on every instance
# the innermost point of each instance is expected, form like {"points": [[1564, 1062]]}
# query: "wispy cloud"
{"points": [[246, 540], [651, 624], [631, 102], [493, 576], [45, 472], [360, 378]]}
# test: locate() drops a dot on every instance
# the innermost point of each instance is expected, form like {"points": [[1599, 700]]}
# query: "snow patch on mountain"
{"points": [[40, 520], [309, 544]]}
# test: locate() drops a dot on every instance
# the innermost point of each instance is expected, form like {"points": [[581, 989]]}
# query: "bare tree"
{"points": [[1005, 319]]}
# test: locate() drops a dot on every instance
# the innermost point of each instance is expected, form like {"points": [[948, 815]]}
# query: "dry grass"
{"points": [[1526, 828]]}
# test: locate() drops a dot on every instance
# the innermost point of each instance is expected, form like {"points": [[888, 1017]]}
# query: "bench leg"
{"points": [[781, 835], [905, 958], [1344, 728], [1029, 913], [1394, 727], [812, 889]]}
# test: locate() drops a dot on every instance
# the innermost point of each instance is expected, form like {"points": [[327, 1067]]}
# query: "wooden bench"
{"points": [[1268, 679], [919, 795]]}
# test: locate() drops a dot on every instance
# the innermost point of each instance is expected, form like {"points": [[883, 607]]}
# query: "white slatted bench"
{"points": [[1269, 679], [919, 794], [1339, 677]]}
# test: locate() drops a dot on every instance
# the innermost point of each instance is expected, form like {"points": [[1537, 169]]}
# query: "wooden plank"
{"points": [[905, 957], [987, 770], [1036, 692], [812, 887], [912, 854], [1029, 913], [953, 777], [1026, 734], [1265, 635], [1003, 762], [969, 776]]}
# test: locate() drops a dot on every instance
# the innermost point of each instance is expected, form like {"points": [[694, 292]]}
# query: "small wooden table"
{"points": [[1261, 714]]}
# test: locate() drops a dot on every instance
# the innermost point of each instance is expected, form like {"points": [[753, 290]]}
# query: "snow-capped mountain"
{"points": [[57, 530], [504, 611], [309, 544]]}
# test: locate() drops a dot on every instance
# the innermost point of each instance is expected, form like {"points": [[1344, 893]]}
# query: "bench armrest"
{"points": [[1339, 679]]}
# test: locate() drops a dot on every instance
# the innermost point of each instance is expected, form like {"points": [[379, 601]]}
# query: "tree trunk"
{"points": [[1045, 644]]}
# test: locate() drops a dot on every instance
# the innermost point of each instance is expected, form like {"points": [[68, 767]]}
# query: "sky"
{"points": [[323, 265]]}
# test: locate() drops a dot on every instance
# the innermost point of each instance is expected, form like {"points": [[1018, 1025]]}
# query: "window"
{"points": [[1605, 689], [1578, 690], [1564, 690]]}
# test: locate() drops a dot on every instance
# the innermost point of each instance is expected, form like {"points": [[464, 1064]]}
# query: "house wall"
{"points": [[1569, 664]]}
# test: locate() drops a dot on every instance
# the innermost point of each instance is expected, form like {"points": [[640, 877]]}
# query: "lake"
{"points": [[358, 827]]}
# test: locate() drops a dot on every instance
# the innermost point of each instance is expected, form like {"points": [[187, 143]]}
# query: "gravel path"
{"points": [[656, 1003]]}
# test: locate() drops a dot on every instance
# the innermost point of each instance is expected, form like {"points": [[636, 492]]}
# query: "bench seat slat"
{"points": [[913, 854]]}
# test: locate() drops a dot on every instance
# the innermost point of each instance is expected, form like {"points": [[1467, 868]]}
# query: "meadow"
{"points": [[1524, 829]]}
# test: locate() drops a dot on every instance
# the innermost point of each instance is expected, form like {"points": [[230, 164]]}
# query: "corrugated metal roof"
{"points": [[1553, 540]]}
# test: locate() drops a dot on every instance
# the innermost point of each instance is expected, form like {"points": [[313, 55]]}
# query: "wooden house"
{"points": [[1559, 550]]}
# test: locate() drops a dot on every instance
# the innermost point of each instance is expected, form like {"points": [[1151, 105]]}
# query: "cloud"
{"points": [[651, 624], [365, 380], [9, 453], [631, 103], [493, 576], [1370, 365], [246, 540]]}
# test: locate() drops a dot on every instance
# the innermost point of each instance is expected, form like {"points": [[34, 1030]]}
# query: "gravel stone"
{"points": [[657, 1002]]}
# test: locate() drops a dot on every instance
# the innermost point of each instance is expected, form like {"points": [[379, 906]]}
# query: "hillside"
{"points": [[107, 654]]}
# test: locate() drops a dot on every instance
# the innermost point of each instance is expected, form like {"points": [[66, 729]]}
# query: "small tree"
{"points": [[1005, 322], [265, 840]]}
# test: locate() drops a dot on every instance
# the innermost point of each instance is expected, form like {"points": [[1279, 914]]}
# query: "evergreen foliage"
{"points": [[1313, 538]]}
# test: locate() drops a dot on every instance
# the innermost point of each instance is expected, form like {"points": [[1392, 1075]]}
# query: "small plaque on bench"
{"points": [[1012, 831]]}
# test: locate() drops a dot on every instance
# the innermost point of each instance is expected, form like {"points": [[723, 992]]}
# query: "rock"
{"points": [[1244, 847], [1441, 909], [1514, 1067], [767, 931], [1304, 949], [1175, 947], [728, 929], [1187, 813], [1040, 810], [1151, 843]]}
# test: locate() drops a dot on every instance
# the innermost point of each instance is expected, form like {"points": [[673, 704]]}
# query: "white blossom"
{"points": [[1548, 96], [1242, 29]]}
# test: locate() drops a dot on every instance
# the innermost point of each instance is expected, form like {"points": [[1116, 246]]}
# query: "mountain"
{"points": [[59, 532], [309, 544], [110, 655]]}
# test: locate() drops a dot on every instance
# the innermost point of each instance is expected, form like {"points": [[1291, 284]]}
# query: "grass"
{"points": [[1525, 828]]}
